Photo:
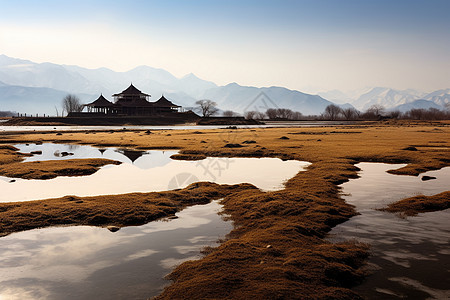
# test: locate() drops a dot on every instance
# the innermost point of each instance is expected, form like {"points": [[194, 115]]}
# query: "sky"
{"points": [[307, 45]]}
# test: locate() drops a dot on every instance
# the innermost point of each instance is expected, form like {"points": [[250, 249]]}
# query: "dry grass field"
{"points": [[277, 249], [420, 204]]}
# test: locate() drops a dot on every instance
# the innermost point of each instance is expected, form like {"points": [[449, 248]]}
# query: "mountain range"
{"points": [[391, 99], [38, 88]]}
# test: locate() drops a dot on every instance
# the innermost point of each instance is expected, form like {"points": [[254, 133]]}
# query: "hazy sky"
{"points": [[311, 45]]}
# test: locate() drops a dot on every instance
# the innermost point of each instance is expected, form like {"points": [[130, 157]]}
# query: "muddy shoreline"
{"points": [[277, 249]]}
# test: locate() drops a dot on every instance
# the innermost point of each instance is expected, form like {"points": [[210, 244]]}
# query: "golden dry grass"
{"points": [[11, 165], [8, 155], [377, 142], [420, 204], [54, 168], [277, 249], [118, 210]]}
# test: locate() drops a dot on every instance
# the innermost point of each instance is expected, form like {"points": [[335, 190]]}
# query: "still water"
{"points": [[93, 263], [410, 257], [168, 127], [142, 171], [80, 262]]}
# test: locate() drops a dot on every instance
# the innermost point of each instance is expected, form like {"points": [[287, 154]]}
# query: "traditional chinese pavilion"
{"points": [[101, 105], [131, 102]]}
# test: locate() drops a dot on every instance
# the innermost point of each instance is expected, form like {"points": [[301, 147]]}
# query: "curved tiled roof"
{"points": [[163, 102], [131, 90], [100, 102]]}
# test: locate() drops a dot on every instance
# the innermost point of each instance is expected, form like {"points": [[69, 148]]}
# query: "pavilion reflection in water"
{"points": [[132, 155]]}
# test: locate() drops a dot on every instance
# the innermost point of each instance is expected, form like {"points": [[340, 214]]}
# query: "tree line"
{"points": [[377, 112], [208, 108], [4, 114], [335, 113], [332, 112]]}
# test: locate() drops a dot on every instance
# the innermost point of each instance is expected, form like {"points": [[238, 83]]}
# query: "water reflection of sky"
{"points": [[152, 171], [376, 188], [93, 263], [410, 257], [138, 158]]}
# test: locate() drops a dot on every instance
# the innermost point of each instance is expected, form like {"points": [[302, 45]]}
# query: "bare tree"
{"points": [[284, 113], [229, 113], [416, 113], [271, 113], [447, 106], [332, 111], [426, 114], [296, 115], [377, 109], [350, 113], [374, 112], [259, 115], [71, 103], [395, 114], [207, 107], [434, 114], [7, 114], [250, 114]]}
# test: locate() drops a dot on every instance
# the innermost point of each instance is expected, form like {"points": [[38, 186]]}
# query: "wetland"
{"points": [[291, 238]]}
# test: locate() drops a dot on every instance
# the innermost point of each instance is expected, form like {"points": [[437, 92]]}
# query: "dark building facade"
{"points": [[131, 102]]}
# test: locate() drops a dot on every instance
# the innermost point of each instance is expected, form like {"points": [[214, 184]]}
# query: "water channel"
{"points": [[410, 257], [174, 127], [80, 262], [142, 171]]}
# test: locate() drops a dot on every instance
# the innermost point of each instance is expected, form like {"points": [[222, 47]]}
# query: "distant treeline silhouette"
{"points": [[7, 114], [334, 113]]}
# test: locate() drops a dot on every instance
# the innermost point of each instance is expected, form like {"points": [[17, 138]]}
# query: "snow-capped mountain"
{"points": [[389, 98], [244, 98], [341, 97], [19, 72], [185, 91], [336, 96], [194, 86], [440, 97], [421, 103], [30, 87], [34, 100]]}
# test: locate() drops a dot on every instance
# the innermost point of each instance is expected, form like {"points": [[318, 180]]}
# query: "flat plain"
{"points": [[278, 247]]}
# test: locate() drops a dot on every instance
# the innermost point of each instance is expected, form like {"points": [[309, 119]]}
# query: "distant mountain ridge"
{"points": [[392, 99], [421, 103], [33, 100], [440, 97], [244, 98], [90, 83], [387, 97], [30, 87]]}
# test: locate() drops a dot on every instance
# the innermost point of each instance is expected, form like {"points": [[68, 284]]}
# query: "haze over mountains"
{"points": [[33, 88], [391, 99]]}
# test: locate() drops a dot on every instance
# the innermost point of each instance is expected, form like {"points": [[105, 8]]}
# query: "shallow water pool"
{"points": [[81, 262], [174, 127], [410, 257], [93, 263], [143, 171]]}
